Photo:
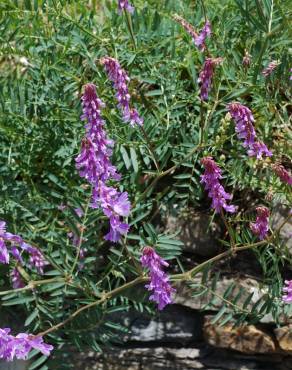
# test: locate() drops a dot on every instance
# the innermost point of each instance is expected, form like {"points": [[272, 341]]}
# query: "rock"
{"points": [[246, 338], [284, 338], [196, 232], [280, 213], [174, 324]]}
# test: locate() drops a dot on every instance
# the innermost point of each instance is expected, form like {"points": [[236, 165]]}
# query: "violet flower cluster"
{"points": [[199, 39], [120, 80], [20, 345], [282, 173], [206, 75], [216, 191], [244, 120], [261, 225], [270, 68], [246, 60], [15, 246], [95, 166], [159, 281], [125, 5], [287, 297]]}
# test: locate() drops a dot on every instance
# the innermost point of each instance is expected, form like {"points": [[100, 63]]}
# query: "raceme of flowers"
{"points": [[20, 345], [125, 5], [282, 173], [17, 246], [206, 74], [95, 166], [246, 60], [244, 120], [270, 68], [287, 297], [216, 191], [120, 80], [199, 39], [261, 225], [159, 281]]}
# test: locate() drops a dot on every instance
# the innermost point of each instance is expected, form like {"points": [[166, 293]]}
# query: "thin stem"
{"points": [[151, 148], [81, 234], [228, 229], [32, 284], [130, 28], [105, 297]]}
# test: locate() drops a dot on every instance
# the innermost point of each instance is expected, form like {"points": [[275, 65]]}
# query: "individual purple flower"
{"points": [[216, 191], [246, 60], [282, 173], [113, 204], [16, 279], [79, 212], [61, 207], [206, 75], [201, 38], [19, 346], [4, 255], [244, 128], [287, 297], [270, 68], [258, 150], [36, 259], [125, 5], [159, 281], [261, 225], [120, 80]]}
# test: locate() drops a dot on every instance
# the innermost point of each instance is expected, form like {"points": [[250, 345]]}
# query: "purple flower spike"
{"points": [[125, 5], [261, 225], [282, 173], [120, 81], [159, 281], [244, 128], [206, 75], [270, 68], [216, 191], [95, 166], [20, 345], [287, 297]]}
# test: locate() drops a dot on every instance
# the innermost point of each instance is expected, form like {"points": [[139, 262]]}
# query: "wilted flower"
{"points": [[125, 5], [287, 297], [159, 281], [20, 345], [199, 39], [206, 74], [244, 128], [216, 191], [246, 60], [270, 68], [120, 81], [261, 225], [282, 173]]}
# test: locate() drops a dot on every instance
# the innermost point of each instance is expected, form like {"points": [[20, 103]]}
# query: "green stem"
{"points": [[130, 28]]}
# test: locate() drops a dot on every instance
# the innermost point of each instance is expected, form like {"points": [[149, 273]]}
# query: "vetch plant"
{"points": [[93, 238]]}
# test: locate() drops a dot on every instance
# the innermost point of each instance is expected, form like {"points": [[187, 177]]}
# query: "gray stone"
{"points": [[197, 232], [279, 215], [174, 324]]}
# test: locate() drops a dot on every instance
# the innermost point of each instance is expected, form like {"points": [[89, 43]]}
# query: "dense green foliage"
{"points": [[49, 50]]}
